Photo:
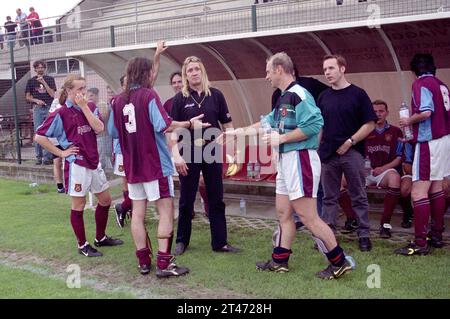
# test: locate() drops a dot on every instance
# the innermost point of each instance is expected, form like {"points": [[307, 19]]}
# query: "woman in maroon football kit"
{"points": [[140, 123], [75, 126]]}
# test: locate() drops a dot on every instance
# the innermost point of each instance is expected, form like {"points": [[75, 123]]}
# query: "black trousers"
{"points": [[212, 174]]}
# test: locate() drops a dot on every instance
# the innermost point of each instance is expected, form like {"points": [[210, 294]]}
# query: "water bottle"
{"points": [[407, 130], [242, 207], [250, 172], [265, 125], [367, 166], [257, 170]]}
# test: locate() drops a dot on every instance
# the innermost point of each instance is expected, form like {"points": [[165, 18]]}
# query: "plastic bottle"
{"points": [[250, 171], [265, 125], [257, 170], [367, 166], [242, 207], [407, 130]]}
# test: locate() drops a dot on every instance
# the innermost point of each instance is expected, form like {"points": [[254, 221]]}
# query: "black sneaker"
{"points": [[172, 270], [350, 226], [38, 161], [385, 230], [108, 241], [365, 244], [88, 251], [270, 265], [144, 269], [435, 242], [48, 162], [407, 223], [60, 190], [334, 272], [120, 215], [412, 249], [228, 249]]}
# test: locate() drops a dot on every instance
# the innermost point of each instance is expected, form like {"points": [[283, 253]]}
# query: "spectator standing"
{"points": [[2, 38], [21, 20], [10, 30], [36, 27], [39, 92]]}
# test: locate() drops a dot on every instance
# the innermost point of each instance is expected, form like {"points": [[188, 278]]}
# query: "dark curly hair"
{"points": [[423, 63]]}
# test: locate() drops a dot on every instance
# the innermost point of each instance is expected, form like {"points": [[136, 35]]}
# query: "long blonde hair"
{"points": [[68, 84], [205, 81]]}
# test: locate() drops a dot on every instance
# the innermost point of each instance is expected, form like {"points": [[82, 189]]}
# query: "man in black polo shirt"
{"points": [[40, 92], [195, 98], [348, 119]]}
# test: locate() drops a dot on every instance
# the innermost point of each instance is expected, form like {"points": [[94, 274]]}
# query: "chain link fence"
{"points": [[16, 123], [131, 23]]}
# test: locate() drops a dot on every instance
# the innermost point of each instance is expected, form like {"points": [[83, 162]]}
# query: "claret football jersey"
{"points": [[431, 94], [139, 124], [70, 127]]}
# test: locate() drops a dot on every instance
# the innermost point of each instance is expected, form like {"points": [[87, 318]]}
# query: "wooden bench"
{"points": [[26, 128]]}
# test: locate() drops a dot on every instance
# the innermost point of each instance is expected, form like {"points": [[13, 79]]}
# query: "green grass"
{"points": [[21, 284], [35, 226]]}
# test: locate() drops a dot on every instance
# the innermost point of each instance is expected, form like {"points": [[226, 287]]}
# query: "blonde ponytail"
{"points": [[68, 84]]}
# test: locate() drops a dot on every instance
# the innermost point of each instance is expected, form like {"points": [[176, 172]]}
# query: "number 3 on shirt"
{"points": [[445, 97], [128, 110]]}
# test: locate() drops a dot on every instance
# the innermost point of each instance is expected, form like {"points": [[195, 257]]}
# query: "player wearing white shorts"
{"points": [[124, 208], [140, 123], [297, 122], [75, 126], [430, 121]]}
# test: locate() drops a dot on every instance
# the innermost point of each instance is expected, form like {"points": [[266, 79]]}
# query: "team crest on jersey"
{"points": [[284, 112], [77, 188], [120, 168], [388, 137]]}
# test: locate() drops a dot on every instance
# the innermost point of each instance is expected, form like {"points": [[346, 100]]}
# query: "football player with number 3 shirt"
{"points": [[140, 122]]}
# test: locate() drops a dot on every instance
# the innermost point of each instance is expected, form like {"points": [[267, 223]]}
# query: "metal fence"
{"points": [[144, 22]]}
